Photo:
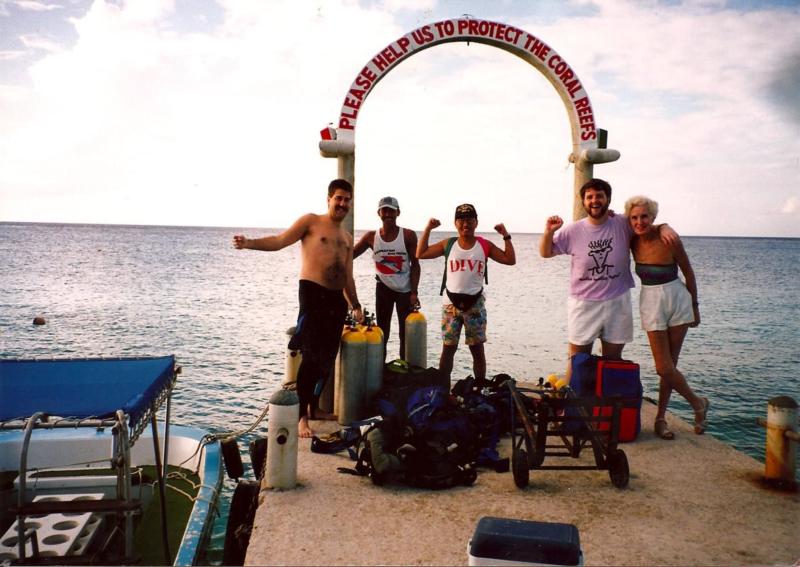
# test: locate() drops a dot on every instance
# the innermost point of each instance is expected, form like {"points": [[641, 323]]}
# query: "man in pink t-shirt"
{"points": [[599, 304]]}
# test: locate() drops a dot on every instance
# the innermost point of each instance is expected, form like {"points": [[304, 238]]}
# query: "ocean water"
{"points": [[137, 291]]}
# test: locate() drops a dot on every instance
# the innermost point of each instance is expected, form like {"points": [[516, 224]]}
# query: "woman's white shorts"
{"points": [[665, 305]]}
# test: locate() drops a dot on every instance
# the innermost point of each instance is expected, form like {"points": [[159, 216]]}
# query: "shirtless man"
{"points": [[326, 289]]}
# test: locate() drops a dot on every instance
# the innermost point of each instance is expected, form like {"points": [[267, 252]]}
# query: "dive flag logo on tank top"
{"points": [[390, 265]]}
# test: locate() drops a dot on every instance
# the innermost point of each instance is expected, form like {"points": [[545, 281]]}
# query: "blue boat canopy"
{"points": [[84, 388]]}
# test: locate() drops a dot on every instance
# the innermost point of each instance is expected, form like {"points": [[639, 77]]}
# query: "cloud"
{"points": [[790, 206], [33, 41], [142, 123], [392, 6], [33, 6], [784, 85], [11, 55]]}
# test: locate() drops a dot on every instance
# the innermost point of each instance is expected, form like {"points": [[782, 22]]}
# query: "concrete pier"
{"points": [[692, 501]]}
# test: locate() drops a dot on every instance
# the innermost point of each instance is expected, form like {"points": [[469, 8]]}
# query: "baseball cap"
{"points": [[466, 211], [388, 203]]}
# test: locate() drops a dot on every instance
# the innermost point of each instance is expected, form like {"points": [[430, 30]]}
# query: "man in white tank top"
{"points": [[463, 302], [396, 269]]}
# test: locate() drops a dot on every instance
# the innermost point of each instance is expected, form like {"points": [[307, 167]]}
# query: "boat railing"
{"points": [[125, 432]]}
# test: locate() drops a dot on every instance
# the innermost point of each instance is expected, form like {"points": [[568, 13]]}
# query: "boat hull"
{"points": [[64, 447]]}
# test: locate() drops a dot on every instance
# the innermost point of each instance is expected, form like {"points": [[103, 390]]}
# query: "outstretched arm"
{"points": [[366, 242], [425, 251], [546, 242], [277, 242], [506, 256]]}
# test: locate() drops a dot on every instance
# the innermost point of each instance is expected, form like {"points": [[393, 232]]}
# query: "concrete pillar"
{"points": [[347, 170], [584, 161], [781, 454], [282, 440], [584, 171]]}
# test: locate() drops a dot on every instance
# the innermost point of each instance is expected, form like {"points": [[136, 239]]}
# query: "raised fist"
{"points": [[238, 241], [553, 223]]}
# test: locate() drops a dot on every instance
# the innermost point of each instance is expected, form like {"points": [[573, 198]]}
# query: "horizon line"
{"points": [[136, 225]]}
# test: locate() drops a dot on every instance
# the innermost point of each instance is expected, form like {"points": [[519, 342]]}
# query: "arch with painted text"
{"points": [[588, 145]]}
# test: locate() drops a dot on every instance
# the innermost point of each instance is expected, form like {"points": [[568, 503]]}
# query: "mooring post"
{"points": [[782, 439], [282, 438]]}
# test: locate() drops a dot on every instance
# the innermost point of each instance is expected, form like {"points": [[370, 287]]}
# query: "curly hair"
{"points": [[641, 201]]}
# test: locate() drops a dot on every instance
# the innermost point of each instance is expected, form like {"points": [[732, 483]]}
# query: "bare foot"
{"points": [[303, 429]]}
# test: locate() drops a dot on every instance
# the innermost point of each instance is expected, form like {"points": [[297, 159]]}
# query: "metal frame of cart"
{"points": [[549, 414]]}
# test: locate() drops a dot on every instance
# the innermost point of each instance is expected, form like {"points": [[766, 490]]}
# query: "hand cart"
{"points": [[540, 413]]}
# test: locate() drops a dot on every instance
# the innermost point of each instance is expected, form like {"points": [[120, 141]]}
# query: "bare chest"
{"points": [[652, 251]]}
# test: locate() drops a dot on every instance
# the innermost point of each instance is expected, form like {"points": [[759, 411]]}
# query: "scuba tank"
{"points": [[349, 322], [293, 359], [416, 353], [373, 368], [349, 398], [328, 398]]}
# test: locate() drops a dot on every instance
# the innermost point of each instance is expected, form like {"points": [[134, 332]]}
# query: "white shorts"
{"points": [[609, 319], [665, 305]]}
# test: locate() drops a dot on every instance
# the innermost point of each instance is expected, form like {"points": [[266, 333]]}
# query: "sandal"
{"points": [[700, 417], [662, 430]]}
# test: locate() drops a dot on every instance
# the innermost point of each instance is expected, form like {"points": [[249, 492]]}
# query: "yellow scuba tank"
{"points": [[292, 363], [416, 351], [373, 370], [351, 385], [328, 400]]}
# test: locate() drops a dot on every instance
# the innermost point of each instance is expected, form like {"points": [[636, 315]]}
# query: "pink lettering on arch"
{"points": [[466, 29]]}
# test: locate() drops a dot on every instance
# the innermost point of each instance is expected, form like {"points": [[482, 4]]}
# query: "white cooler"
{"points": [[502, 541]]}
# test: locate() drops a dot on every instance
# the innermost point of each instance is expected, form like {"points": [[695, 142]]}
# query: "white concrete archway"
{"points": [[339, 141]]}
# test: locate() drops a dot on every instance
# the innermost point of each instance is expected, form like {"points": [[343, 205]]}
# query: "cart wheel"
{"points": [[618, 468], [520, 468]]}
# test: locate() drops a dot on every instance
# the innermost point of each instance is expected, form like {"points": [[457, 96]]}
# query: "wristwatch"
{"points": [[507, 237]]}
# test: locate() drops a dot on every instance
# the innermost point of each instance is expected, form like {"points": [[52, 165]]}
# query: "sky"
{"points": [[208, 112]]}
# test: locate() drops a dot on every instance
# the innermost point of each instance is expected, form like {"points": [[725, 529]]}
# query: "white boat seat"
{"points": [[57, 535]]}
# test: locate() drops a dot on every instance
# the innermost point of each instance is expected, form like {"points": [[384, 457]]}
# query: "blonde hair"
{"points": [[641, 201]]}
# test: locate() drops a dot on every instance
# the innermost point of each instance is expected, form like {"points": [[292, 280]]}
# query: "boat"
{"points": [[89, 475]]}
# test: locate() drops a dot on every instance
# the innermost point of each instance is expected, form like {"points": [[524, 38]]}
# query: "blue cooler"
{"points": [[502, 541]]}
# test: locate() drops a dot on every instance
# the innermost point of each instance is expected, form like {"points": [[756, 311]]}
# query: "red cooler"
{"points": [[620, 377]]}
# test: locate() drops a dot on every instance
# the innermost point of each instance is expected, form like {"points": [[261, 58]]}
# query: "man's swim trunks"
{"points": [[319, 328]]}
